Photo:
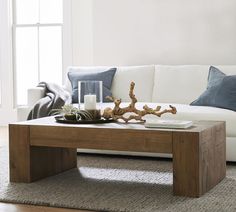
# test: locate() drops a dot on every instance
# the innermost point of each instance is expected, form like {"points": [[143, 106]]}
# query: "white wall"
{"points": [[82, 32], [127, 32]]}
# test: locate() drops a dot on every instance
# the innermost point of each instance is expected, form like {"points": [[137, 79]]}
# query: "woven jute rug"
{"points": [[108, 183]]}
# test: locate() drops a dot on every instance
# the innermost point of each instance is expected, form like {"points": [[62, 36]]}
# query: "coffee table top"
{"points": [[198, 126]]}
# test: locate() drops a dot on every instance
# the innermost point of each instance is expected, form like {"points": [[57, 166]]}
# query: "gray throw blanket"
{"points": [[55, 98]]}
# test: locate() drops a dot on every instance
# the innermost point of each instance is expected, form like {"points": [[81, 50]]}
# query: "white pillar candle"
{"points": [[90, 102]]}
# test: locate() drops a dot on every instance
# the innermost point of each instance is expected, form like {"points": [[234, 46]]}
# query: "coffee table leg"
{"points": [[28, 163], [199, 161]]}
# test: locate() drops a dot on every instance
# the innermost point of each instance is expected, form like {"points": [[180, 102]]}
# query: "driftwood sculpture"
{"points": [[118, 113]]}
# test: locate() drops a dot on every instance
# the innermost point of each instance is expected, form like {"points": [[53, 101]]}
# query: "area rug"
{"points": [[109, 183]]}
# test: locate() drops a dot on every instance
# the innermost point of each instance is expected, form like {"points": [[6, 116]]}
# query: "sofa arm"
{"points": [[23, 112], [34, 94]]}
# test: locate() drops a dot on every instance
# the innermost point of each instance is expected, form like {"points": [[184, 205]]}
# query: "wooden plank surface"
{"points": [[212, 157], [29, 163], [19, 153], [47, 161], [199, 160], [198, 126], [107, 139], [186, 164]]}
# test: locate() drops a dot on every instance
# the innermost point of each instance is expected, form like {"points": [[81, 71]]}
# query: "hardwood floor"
{"points": [[8, 207]]}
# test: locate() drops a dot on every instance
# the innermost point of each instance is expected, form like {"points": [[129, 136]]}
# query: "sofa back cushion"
{"points": [[182, 83], [179, 84], [142, 76], [227, 69]]}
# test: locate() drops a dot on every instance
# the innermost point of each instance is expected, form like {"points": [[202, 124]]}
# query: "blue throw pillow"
{"points": [[220, 92], [105, 76]]}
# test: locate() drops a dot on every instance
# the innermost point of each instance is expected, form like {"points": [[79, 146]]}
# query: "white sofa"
{"points": [[164, 85]]}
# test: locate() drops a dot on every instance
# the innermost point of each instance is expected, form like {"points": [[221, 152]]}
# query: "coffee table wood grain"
{"points": [[40, 148]]}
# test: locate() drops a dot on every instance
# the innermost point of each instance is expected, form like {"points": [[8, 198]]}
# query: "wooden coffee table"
{"points": [[42, 148]]}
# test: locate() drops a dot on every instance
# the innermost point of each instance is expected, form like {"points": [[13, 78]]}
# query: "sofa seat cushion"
{"points": [[187, 112]]}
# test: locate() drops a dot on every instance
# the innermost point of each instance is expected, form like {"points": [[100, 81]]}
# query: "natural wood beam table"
{"points": [[42, 148]]}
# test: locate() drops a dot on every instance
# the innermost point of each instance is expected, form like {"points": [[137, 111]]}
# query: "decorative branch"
{"points": [[118, 113]]}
